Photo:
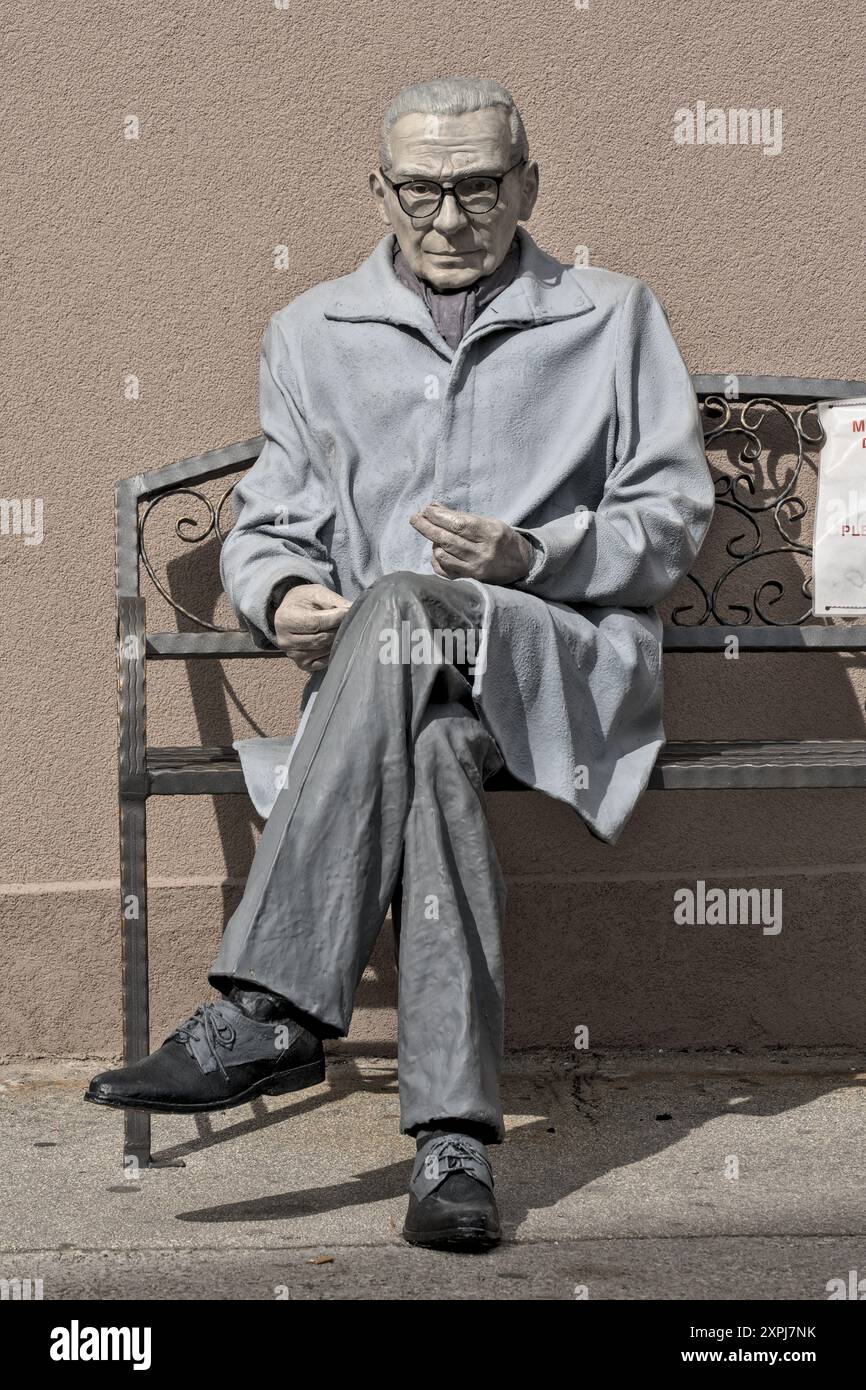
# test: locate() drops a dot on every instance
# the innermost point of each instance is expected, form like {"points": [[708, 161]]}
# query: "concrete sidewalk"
{"points": [[673, 1176]]}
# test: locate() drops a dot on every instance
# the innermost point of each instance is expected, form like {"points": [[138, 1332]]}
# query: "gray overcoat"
{"points": [[567, 411]]}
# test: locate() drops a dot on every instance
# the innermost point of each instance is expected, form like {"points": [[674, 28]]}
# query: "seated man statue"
{"points": [[483, 469]]}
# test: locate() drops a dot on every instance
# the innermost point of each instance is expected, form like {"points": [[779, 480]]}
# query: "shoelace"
{"points": [[209, 1027], [459, 1156]]}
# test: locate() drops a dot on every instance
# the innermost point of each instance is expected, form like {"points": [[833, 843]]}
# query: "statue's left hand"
{"points": [[473, 547]]}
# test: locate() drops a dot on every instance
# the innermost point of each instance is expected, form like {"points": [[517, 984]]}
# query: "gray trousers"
{"points": [[386, 782]]}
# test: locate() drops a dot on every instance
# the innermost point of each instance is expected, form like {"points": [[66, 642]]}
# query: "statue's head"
{"points": [[454, 128]]}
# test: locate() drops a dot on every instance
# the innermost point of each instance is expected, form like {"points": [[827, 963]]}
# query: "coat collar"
{"points": [[542, 291]]}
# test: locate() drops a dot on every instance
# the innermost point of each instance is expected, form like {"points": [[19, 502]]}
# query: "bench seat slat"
{"points": [[222, 646], [716, 764], [728, 765]]}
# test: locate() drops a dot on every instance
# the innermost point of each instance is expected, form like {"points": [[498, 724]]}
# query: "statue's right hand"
{"points": [[306, 624]]}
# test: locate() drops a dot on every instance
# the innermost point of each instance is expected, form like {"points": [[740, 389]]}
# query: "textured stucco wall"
{"points": [[154, 257]]}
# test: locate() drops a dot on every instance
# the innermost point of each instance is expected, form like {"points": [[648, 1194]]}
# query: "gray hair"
{"points": [[453, 96]]}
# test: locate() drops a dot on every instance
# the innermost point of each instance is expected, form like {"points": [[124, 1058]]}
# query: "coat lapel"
{"points": [[543, 291]]}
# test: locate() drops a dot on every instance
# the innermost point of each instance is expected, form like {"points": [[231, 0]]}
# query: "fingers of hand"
{"points": [[322, 596], [451, 544], [307, 604], [465, 525], [307, 621], [306, 648], [310, 660], [450, 567], [325, 599]]}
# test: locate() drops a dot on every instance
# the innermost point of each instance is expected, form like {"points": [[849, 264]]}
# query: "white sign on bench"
{"points": [[839, 545]]}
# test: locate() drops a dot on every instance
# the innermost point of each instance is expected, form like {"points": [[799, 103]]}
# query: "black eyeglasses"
{"points": [[473, 193]]}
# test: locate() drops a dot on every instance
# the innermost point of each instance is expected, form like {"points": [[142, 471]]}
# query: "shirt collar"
{"points": [[454, 312]]}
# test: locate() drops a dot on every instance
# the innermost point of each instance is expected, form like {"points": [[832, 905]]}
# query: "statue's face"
{"points": [[454, 248]]}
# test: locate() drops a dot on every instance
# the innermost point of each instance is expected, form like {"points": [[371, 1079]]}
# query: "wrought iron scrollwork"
{"points": [[741, 423], [742, 494], [190, 531]]}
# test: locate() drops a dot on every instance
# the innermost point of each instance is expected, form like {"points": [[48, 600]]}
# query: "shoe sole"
{"points": [[296, 1080], [454, 1238]]}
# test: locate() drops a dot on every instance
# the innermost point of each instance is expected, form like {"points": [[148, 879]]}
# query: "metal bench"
{"points": [[760, 432]]}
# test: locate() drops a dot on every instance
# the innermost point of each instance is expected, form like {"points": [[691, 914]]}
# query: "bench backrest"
{"points": [[752, 576]]}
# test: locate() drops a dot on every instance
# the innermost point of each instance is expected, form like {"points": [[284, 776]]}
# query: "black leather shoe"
{"points": [[451, 1202], [218, 1058]]}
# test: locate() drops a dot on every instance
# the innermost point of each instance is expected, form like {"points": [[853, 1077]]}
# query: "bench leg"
{"points": [[136, 1009]]}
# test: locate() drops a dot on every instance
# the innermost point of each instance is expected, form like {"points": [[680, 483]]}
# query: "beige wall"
{"points": [[154, 257]]}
